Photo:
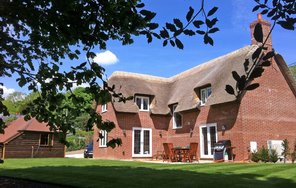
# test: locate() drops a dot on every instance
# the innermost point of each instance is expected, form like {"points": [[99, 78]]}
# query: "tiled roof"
{"points": [[18, 126]]}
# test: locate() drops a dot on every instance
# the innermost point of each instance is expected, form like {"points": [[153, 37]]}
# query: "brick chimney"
{"points": [[265, 28]]}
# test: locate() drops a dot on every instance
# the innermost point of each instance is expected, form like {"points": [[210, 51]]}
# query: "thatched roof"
{"points": [[181, 88]]}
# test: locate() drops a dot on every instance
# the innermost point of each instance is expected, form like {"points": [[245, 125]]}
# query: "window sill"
{"points": [[102, 146], [135, 156], [45, 145], [177, 128], [104, 112], [143, 110]]}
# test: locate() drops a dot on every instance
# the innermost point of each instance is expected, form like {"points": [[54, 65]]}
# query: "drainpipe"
{"points": [[32, 152], [3, 151]]}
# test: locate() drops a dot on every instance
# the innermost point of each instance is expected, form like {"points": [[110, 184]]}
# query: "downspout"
{"points": [[3, 151]]}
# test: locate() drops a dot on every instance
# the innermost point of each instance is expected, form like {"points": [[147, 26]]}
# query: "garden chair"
{"points": [[193, 152], [169, 153]]}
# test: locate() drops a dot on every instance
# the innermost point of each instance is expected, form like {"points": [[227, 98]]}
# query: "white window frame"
{"points": [[206, 90], [104, 108], [174, 122], [253, 146], [103, 141], [201, 141], [272, 143], [142, 142], [142, 103], [49, 139]]}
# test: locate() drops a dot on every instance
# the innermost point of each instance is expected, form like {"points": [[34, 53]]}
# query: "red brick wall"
{"points": [[263, 114], [269, 112]]}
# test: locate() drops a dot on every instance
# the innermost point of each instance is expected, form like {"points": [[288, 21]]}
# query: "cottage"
{"points": [[193, 106], [25, 139]]}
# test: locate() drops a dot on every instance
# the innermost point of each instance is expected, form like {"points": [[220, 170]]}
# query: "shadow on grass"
{"points": [[125, 176]]}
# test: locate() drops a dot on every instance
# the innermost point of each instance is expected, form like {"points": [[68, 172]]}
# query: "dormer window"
{"points": [[204, 94], [142, 103], [104, 107], [177, 118]]}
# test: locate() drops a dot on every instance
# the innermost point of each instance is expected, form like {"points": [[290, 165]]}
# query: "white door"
{"points": [[208, 137], [142, 142]]}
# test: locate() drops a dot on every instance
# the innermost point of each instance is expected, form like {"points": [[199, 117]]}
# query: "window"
{"points": [[142, 103], [253, 146], [177, 118], [142, 142], [276, 145], [104, 108], [204, 94], [103, 141], [46, 139]]}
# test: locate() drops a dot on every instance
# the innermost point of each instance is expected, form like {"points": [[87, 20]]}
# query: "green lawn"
{"points": [[106, 173]]}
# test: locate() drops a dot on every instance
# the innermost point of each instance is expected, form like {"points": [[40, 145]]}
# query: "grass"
{"points": [[106, 173]]}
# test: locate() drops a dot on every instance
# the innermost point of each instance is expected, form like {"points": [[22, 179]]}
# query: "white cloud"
{"points": [[105, 58], [7, 91], [84, 85]]}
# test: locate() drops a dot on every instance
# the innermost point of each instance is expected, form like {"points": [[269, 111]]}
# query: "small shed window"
{"points": [[142, 103], [104, 108], [204, 94], [177, 118], [46, 139]]}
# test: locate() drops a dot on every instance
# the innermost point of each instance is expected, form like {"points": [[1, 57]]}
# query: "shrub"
{"points": [[293, 156], [286, 150], [255, 157], [264, 154], [273, 156]]}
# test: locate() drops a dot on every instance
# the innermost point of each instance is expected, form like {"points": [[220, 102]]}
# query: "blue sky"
{"points": [[234, 18]]}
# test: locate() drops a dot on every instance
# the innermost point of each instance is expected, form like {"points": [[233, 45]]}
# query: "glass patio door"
{"points": [[208, 137], [142, 142]]}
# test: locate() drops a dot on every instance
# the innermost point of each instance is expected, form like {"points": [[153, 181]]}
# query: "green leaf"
{"points": [[22, 81], [211, 23], [257, 53], [189, 14], [265, 63], [229, 89], [178, 32], [152, 26], [268, 55], [286, 25], [252, 86], [178, 23], [149, 37], [213, 30], [258, 34], [141, 5], [189, 32], [172, 43], [264, 11], [165, 42], [171, 27], [246, 65], [179, 43], [241, 82], [164, 33], [208, 40], [200, 32], [256, 8], [212, 11], [198, 23], [257, 72], [235, 76]]}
